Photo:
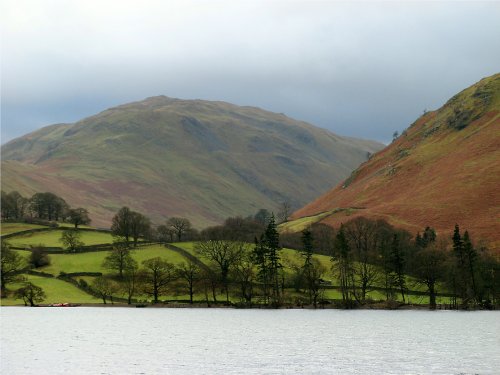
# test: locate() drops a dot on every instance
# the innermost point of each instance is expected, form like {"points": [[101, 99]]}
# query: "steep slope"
{"points": [[444, 169], [199, 159]]}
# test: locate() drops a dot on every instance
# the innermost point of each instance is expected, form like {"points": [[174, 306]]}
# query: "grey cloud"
{"points": [[359, 69]]}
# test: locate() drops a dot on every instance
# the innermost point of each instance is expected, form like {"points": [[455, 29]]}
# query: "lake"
{"points": [[89, 340]]}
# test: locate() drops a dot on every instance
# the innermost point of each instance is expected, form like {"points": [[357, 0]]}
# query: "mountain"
{"points": [[444, 169], [167, 157]]}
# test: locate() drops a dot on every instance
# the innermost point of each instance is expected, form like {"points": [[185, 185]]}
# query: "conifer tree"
{"points": [[271, 243], [397, 263], [342, 263], [471, 256], [419, 242], [459, 253], [307, 268], [429, 236], [260, 258]]}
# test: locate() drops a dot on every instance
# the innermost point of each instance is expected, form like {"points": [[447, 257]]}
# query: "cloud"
{"points": [[360, 69]]}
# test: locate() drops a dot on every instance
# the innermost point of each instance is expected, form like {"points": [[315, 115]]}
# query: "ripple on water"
{"points": [[223, 341]]}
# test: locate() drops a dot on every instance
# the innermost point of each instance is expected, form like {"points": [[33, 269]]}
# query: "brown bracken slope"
{"points": [[444, 169]]}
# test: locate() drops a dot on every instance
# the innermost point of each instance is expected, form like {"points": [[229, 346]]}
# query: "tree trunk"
{"points": [[206, 295], [214, 291], [155, 295], [432, 297]]}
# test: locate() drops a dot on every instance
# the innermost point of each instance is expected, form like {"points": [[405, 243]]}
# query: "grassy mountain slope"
{"points": [[164, 157], [444, 169]]}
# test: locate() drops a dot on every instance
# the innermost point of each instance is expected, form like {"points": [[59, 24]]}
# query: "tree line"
{"points": [[243, 258], [41, 207], [365, 255], [227, 261], [368, 253]]}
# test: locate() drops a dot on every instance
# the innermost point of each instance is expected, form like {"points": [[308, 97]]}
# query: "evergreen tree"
{"points": [[419, 242], [271, 243], [307, 247], [461, 267], [307, 268], [397, 265], [429, 236], [470, 259], [260, 258], [342, 264]]}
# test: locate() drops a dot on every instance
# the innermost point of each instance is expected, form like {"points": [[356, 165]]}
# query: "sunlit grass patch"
{"points": [[52, 238]]}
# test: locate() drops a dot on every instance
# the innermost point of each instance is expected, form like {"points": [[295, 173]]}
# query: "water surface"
{"points": [[90, 340]]}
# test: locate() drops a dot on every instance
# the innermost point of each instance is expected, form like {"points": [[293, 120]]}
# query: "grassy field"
{"points": [[56, 291], [302, 223], [83, 262], [8, 228], [92, 261], [51, 238], [148, 252]]}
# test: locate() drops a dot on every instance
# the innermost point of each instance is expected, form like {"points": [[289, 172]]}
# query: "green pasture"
{"points": [[147, 252], [24, 254], [72, 226], [9, 228], [92, 261], [303, 222], [187, 246], [79, 262], [57, 291], [297, 258], [52, 238]]}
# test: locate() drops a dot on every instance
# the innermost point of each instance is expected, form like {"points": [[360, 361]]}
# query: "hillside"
{"points": [[444, 169], [170, 157]]}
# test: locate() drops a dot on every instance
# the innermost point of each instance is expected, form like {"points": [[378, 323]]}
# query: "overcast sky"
{"points": [[362, 69]]}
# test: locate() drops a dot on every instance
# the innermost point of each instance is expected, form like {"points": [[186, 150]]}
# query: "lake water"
{"points": [[90, 340]]}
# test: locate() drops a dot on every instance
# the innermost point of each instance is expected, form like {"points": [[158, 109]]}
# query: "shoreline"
{"points": [[377, 306]]}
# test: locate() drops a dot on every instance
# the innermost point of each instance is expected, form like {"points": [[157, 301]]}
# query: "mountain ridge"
{"points": [[201, 159]]}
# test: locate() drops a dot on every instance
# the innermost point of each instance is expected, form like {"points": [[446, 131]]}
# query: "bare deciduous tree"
{"points": [[180, 225], [284, 212], [190, 274], [30, 293], [224, 253], [156, 277], [119, 259], [105, 287], [78, 216]]}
